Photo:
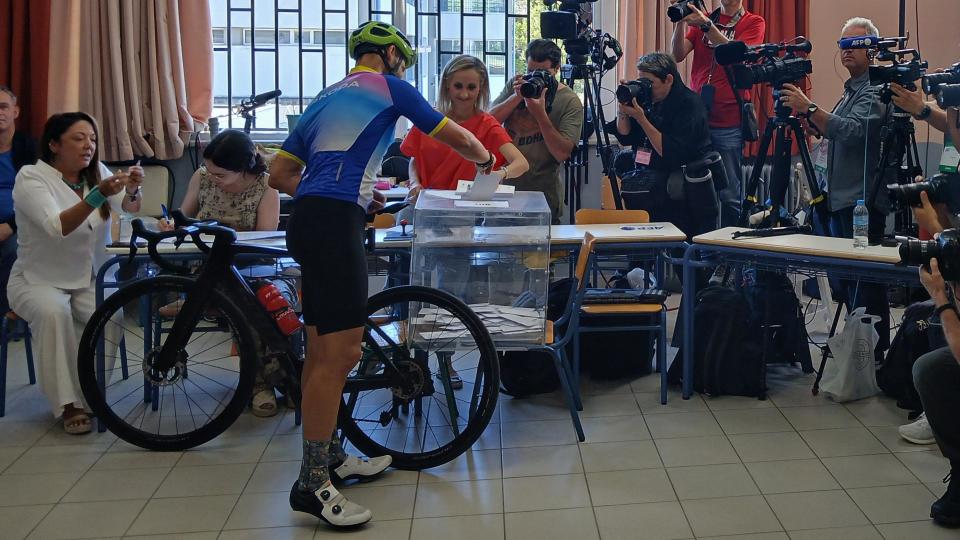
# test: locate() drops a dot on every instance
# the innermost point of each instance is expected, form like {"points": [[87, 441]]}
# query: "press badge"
{"points": [[644, 155], [950, 160]]}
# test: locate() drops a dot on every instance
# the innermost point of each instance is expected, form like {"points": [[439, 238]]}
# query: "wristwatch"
{"points": [[812, 108], [946, 307], [924, 113]]}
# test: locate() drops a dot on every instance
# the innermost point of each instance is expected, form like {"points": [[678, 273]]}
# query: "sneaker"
{"points": [[946, 510], [919, 432], [362, 469], [329, 505]]}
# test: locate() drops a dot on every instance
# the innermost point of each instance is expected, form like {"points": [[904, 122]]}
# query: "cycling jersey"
{"points": [[343, 134]]}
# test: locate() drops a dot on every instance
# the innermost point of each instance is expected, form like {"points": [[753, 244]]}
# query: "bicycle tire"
{"points": [[486, 403], [222, 418]]}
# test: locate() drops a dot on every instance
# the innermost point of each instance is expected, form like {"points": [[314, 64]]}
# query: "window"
{"points": [[300, 47]]}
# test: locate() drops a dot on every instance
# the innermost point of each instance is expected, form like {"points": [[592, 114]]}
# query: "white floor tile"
{"points": [[650, 403], [890, 437], [864, 532], [387, 503], [609, 405], [541, 461], [842, 442], [752, 421], [45, 488], [16, 522], [771, 446], [691, 424], [696, 451], [869, 471], [472, 465], [576, 523], [546, 433], [792, 476], [193, 514], [264, 510], [925, 529], [630, 487], [878, 411], [826, 417], [482, 527], [653, 521], [730, 515], [817, 509], [206, 480], [615, 429], [443, 499], [545, 493], [711, 481], [88, 519], [893, 504], [273, 476], [619, 456], [274, 533], [116, 485], [928, 466]]}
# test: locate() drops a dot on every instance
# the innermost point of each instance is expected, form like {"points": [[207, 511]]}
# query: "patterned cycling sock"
{"points": [[337, 453], [313, 469]]}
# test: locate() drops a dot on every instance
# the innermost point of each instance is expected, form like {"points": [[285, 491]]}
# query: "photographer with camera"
{"points": [[700, 33], [545, 127], [936, 376], [666, 124], [853, 132]]}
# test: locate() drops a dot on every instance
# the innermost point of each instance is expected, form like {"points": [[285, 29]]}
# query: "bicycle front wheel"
{"points": [[426, 418], [177, 408]]}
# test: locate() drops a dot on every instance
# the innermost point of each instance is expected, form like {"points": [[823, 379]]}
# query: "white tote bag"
{"points": [[852, 374]]}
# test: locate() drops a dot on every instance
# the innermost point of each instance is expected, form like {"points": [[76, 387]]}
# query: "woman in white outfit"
{"points": [[64, 202]]}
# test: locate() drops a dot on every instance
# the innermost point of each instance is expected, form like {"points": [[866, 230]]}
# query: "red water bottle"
{"points": [[278, 306]]}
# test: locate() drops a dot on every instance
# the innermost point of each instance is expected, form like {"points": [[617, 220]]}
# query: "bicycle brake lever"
{"points": [[133, 247]]}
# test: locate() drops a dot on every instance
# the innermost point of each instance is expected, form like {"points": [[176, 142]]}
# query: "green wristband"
{"points": [[95, 198]]}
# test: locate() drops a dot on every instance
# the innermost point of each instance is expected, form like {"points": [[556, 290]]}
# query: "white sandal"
{"points": [[264, 403]]}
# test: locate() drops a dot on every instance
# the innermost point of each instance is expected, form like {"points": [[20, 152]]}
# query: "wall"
{"points": [[939, 43]]}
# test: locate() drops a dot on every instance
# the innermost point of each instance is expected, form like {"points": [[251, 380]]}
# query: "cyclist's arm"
{"points": [[285, 172], [410, 104]]}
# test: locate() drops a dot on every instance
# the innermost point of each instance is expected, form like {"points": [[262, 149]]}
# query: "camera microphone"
{"points": [[732, 52], [859, 42], [260, 99]]}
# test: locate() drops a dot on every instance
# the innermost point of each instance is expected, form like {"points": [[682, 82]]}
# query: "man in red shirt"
{"points": [[700, 33]]}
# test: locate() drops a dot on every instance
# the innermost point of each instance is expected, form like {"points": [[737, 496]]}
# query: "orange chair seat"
{"points": [[621, 309], [549, 333]]}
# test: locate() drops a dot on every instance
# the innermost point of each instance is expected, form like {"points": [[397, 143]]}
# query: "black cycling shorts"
{"points": [[325, 236]]}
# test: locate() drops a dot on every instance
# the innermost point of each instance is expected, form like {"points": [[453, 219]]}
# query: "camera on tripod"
{"points": [[640, 90], [534, 84], [763, 64], [941, 188], [682, 9], [571, 22], [901, 70], [944, 86], [946, 249]]}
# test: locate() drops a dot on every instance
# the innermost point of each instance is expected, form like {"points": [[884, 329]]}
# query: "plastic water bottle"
{"points": [[861, 221]]}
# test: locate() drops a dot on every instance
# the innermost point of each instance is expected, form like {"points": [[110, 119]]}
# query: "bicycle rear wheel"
{"points": [[179, 408], [424, 422]]}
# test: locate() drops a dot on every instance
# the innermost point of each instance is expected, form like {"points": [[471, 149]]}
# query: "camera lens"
{"points": [[640, 89], [679, 11], [531, 88], [949, 96], [933, 81], [905, 195], [918, 252]]}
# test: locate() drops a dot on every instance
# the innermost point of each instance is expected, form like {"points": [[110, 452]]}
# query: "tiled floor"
{"points": [[794, 466]]}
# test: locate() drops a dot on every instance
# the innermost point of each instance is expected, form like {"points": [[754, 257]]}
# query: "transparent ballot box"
{"points": [[493, 255]]}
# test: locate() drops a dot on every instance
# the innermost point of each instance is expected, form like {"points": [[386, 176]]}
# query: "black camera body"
{"points": [[679, 11], [763, 64], [534, 84], [941, 188], [640, 89], [946, 249], [569, 21], [901, 70]]}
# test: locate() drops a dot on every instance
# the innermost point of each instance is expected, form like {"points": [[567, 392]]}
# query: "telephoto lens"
{"points": [[949, 96], [640, 89], [681, 9], [532, 87], [946, 249], [940, 188], [932, 81]]}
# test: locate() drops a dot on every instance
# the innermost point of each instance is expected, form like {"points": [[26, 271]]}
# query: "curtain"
{"points": [[24, 57], [129, 70]]}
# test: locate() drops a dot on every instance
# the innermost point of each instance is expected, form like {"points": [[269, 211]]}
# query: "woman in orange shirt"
{"points": [[464, 98]]}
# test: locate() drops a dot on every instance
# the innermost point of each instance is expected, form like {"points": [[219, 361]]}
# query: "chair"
{"points": [[643, 311], [7, 334], [559, 333]]}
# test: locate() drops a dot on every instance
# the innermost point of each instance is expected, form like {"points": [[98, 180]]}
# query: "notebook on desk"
{"points": [[625, 296]]}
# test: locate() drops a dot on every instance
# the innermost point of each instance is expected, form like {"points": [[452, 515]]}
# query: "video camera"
{"points": [[571, 22], [946, 249], [941, 188], [679, 11], [640, 89], [763, 64], [901, 71], [944, 86]]}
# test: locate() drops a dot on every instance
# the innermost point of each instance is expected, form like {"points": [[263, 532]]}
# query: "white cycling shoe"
{"points": [[329, 505], [362, 469]]}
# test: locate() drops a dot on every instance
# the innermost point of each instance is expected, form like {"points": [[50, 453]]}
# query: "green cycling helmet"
{"points": [[374, 36]]}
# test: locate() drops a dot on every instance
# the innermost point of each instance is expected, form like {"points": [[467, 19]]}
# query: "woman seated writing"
{"points": [[231, 188], [63, 206]]}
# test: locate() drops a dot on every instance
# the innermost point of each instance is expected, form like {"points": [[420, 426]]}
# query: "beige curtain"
{"points": [[123, 62]]}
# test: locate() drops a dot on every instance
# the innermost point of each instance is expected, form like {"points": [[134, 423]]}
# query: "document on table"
{"points": [[483, 188]]}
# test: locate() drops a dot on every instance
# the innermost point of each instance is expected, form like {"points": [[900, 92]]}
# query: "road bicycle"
{"points": [[185, 377]]}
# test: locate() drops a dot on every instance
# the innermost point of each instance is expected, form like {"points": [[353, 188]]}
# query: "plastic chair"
{"points": [[7, 334]]}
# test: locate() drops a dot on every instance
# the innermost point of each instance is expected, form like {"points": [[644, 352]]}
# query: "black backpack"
{"points": [[727, 357], [913, 340], [774, 307], [527, 373]]}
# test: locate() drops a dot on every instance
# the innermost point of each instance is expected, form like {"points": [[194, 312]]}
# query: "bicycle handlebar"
{"points": [[185, 228]]}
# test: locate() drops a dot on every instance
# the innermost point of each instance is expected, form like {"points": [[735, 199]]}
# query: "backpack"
{"points": [[527, 373], [727, 356], [912, 340], [774, 308]]}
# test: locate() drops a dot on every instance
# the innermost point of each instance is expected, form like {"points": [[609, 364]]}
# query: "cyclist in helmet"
{"points": [[329, 163]]}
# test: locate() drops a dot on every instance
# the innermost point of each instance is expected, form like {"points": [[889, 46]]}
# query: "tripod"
{"points": [[898, 150], [577, 167], [785, 127]]}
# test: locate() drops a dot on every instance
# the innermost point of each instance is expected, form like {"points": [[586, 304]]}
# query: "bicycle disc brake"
{"points": [[160, 376]]}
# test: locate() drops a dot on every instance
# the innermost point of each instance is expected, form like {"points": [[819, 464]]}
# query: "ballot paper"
{"points": [[483, 188], [463, 186], [481, 204]]}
